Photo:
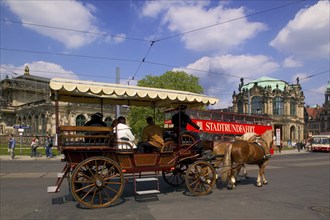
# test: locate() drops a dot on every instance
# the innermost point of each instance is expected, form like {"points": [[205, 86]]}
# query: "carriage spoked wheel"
{"points": [[97, 182], [176, 176], [200, 178]]}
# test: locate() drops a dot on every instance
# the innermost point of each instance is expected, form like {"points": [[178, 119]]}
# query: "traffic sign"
{"points": [[21, 126]]}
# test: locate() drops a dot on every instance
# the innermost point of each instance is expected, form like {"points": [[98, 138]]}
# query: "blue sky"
{"points": [[217, 41]]}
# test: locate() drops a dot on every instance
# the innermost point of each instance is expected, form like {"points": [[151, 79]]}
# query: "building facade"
{"points": [[25, 102], [281, 101], [317, 118]]}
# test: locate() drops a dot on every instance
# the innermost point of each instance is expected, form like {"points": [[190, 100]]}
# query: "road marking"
{"points": [[321, 163], [28, 175]]}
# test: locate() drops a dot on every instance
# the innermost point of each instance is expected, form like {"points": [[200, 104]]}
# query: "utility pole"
{"points": [[117, 113], [249, 101]]}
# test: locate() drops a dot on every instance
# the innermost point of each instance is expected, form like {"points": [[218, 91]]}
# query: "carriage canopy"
{"points": [[78, 91]]}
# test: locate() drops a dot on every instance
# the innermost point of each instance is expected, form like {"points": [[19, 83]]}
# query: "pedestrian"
{"points": [[34, 146], [48, 146], [11, 146], [280, 147]]}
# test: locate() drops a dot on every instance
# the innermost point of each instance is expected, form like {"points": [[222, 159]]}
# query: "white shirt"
{"points": [[123, 131]]}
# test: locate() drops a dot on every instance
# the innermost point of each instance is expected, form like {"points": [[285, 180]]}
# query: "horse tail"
{"points": [[226, 163]]}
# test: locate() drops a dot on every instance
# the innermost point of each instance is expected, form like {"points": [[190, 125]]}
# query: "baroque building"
{"points": [[279, 100], [317, 118], [25, 103]]}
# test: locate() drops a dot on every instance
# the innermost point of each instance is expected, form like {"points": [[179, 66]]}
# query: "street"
{"points": [[298, 188]]}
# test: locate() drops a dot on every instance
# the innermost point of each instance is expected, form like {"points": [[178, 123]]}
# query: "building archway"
{"points": [[293, 137]]}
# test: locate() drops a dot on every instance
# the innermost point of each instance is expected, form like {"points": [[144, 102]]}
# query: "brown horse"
{"points": [[242, 152], [219, 148]]}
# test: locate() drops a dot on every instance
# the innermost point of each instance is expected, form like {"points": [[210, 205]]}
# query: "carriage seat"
{"points": [[125, 146], [168, 147]]}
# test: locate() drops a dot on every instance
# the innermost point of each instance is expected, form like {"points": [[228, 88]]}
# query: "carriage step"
{"points": [[52, 189], [145, 192], [146, 179]]}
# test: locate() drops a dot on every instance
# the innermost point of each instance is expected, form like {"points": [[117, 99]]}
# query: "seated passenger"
{"points": [[124, 134], [152, 137], [96, 120]]}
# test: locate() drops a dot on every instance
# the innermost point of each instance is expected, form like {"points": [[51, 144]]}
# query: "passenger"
{"points": [[96, 120], [124, 133], [152, 137]]}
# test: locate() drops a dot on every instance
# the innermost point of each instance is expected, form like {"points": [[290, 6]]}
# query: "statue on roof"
{"points": [[26, 70], [241, 84], [297, 80]]}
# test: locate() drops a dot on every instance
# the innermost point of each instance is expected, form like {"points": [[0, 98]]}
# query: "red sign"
{"points": [[236, 128]]}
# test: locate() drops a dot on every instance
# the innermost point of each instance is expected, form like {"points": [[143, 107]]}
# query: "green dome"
{"points": [[265, 81]]}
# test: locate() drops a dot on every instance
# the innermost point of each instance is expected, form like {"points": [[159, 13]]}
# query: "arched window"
{"points": [[43, 124], [28, 123], [80, 120], [278, 106], [293, 108], [256, 105], [35, 126], [108, 121], [240, 107]]}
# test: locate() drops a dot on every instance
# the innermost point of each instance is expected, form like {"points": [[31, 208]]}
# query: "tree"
{"points": [[177, 80]]}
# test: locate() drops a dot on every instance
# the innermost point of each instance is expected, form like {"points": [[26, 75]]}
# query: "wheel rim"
{"points": [[175, 177], [97, 182], [200, 178]]}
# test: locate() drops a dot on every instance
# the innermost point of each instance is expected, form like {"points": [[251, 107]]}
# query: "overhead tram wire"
{"points": [[69, 55], [140, 64], [53, 72], [74, 30], [316, 74], [119, 59], [152, 42], [231, 20]]}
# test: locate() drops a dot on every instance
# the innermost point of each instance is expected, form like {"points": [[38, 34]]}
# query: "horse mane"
{"points": [[267, 137], [249, 136]]}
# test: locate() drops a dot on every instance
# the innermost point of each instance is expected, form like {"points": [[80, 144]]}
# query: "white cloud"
{"points": [[308, 34], [221, 75], [187, 16], [47, 70], [291, 62], [62, 14], [234, 67]]}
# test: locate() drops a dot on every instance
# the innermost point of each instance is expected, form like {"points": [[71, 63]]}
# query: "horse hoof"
{"points": [[265, 183], [259, 185]]}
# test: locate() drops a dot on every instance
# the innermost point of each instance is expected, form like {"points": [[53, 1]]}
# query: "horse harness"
{"points": [[258, 144]]}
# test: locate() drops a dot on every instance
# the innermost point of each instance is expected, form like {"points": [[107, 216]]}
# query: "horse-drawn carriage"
{"points": [[97, 168], [94, 164]]}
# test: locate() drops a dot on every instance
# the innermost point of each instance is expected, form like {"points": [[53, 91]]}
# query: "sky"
{"points": [[217, 41]]}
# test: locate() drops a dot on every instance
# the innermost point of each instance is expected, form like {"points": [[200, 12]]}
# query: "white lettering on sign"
{"points": [[222, 127]]}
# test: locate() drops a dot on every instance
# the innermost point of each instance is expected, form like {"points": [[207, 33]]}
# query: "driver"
{"points": [[182, 126]]}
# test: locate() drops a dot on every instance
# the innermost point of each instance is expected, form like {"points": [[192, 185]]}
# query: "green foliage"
{"points": [[173, 80], [170, 80]]}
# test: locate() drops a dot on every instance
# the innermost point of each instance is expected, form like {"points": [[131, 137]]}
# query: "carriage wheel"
{"points": [[175, 177], [97, 182], [200, 178]]}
